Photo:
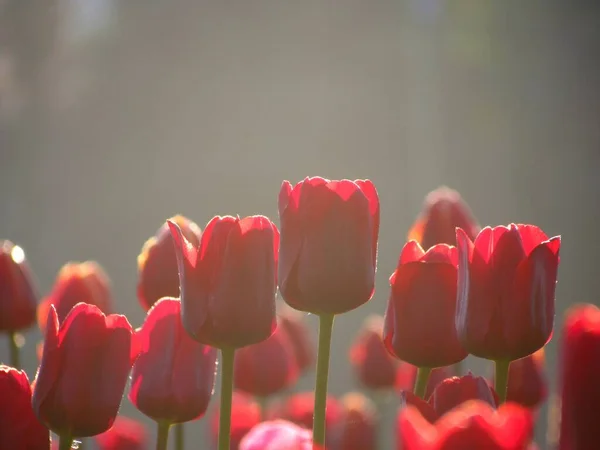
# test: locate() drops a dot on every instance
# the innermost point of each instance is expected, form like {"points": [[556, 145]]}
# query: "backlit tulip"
{"points": [[277, 435], [173, 378], [374, 367], [19, 428], [357, 429], [228, 283], [293, 323], [419, 320], [77, 282], [527, 383], [84, 369], [125, 434], [18, 294], [158, 274], [506, 285], [451, 392], [443, 211], [245, 414], [329, 232], [580, 378]]}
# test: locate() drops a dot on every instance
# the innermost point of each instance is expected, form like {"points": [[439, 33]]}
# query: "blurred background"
{"points": [[116, 115]]}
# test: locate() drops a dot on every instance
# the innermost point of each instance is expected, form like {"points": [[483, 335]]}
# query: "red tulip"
{"points": [[506, 284], [451, 392], [436, 376], [77, 282], [18, 294], [443, 211], [174, 376], [293, 323], [158, 275], [266, 368], [19, 428], [526, 381], [419, 320], [84, 370], [277, 435], [580, 377], [329, 232], [125, 434], [358, 427], [299, 408], [406, 376], [228, 283], [374, 366], [407, 398], [245, 414], [472, 425]]}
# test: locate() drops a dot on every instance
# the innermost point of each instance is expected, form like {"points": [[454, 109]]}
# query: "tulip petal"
{"points": [[411, 252], [531, 237], [441, 253], [368, 188]]}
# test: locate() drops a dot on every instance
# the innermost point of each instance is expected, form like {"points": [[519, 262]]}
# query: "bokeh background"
{"points": [[115, 115]]}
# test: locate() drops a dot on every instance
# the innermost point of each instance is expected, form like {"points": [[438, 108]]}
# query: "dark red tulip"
{"points": [[299, 409], [374, 367], [18, 294], [277, 435], [19, 428], [443, 211], [293, 323], [84, 370], [266, 368], [527, 384], [158, 274], [580, 378], [357, 429], [77, 282], [329, 232], [245, 414], [436, 376], [407, 398], [173, 378], [228, 283], [451, 392], [472, 425], [419, 320], [125, 434], [506, 284]]}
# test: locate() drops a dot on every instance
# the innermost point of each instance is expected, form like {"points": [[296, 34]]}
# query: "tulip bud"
{"points": [[19, 428], [158, 274], [451, 392], [358, 427], [277, 435], [295, 326], [18, 294], [125, 434], [329, 232], [527, 384]]}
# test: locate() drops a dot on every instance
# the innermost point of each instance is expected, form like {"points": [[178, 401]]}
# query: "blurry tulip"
{"points": [[527, 384], [228, 283], [19, 428], [299, 409], [472, 425], [375, 368], [293, 323], [419, 320], [77, 282], [18, 294], [580, 378], [277, 435], [443, 211], [506, 285], [407, 398], [266, 368], [173, 378], [158, 275], [125, 434], [358, 427], [84, 370], [406, 376], [329, 232], [437, 375], [245, 414], [451, 392]]}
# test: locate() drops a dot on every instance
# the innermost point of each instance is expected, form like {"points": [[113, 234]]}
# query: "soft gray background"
{"points": [[115, 116]]}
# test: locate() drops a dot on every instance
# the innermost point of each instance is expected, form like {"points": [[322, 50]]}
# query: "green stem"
{"points": [[65, 441], [263, 403], [422, 379], [501, 379], [15, 357], [179, 437], [325, 329], [162, 435], [227, 359]]}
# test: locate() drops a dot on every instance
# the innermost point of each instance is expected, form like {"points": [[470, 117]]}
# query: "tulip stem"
{"points": [[422, 380], [179, 437], [325, 329], [162, 435], [65, 441], [501, 379], [263, 402], [15, 357], [227, 359]]}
